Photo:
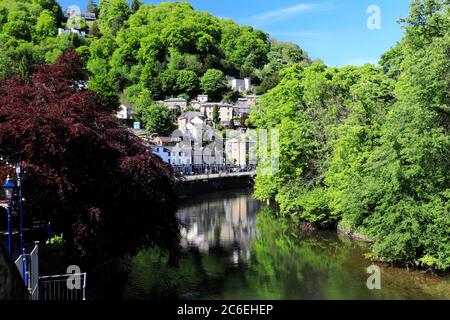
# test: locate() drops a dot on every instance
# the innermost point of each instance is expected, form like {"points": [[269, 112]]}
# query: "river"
{"points": [[234, 248]]}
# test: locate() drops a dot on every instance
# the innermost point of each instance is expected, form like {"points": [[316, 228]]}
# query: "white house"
{"points": [[73, 12], [225, 111], [72, 30], [176, 103], [245, 105], [199, 101], [249, 100], [209, 155], [179, 156], [197, 130], [125, 112], [165, 141], [241, 150], [240, 85], [202, 98], [187, 118], [162, 152], [174, 155], [241, 109]]}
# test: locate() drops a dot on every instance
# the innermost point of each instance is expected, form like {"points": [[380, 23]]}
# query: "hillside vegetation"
{"points": [[145, 51], [365, 149], [368, 147]]}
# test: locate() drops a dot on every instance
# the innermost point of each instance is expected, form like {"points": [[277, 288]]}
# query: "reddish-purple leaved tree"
{"points": [[84, 171]]}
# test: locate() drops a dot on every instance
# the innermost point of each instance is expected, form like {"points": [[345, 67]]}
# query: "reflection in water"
{"points": [[235, 249], [228, 222]]}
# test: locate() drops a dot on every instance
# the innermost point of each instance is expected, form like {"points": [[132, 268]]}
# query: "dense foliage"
{"points": [[169, 49], [157, 119], [172, 50], [369, 147], [87, 174], [362, 148], [28, 35]]}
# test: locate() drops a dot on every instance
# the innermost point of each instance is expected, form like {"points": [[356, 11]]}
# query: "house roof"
{"points": [[220, 104], [129, 106], [156, 148], [164, 139], [189, 115], [177, 148], [175, 100]]}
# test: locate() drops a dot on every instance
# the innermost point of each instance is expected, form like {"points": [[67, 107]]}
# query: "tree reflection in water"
{"points": [[236, 249]]}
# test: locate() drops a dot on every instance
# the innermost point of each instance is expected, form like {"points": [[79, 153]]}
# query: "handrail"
{"points": [[64, 277], [55, 276]]}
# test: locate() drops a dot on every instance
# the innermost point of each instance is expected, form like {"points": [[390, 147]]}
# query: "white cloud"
{"points": [[282, 13]]}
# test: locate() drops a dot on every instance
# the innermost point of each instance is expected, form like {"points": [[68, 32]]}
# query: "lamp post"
{"points": [[203, 160], [8, 187], [19, 173]]}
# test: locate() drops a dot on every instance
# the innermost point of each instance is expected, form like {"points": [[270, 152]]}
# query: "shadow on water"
{"points": [[234, 248]]}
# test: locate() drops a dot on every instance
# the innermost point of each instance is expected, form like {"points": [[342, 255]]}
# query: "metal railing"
{"points": [[190, 170], [56, 287], [19, 264], [220, 175], [28, 266], [33, 277]]}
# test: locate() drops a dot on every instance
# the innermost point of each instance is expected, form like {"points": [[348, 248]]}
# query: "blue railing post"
{"points": [[19, 172], [24, 267], [9, 228], [49, 231]]}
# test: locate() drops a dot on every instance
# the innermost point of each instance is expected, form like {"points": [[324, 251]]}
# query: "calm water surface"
{"points": [[235, 249]]}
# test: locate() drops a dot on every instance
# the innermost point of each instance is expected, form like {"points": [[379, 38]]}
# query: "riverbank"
{"points": [[234, 247], [344, 229], [189, 187]]}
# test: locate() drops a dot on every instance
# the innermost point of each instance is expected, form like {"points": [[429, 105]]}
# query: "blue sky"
{"points": [[332, 30]]}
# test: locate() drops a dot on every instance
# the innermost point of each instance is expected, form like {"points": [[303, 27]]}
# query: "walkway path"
{"points": [[219, 176]]}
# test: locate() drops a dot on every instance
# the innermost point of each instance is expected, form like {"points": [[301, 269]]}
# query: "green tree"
{"points": [[106, 90], [213, 83], [232, 96], [187, 83], [135, 5], [216, 115], [113, 15], [136, 46], [168, 82], [17, 26], [46, 25], [407, 215], [157, 118], [52, 6], [92, 7], [245, 46], [94, 31], [368, 147]]}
